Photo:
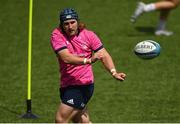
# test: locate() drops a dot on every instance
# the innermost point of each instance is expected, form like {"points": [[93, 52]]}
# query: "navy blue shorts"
{"points": [[76, 96]]}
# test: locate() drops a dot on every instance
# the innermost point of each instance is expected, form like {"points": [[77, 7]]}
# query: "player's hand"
{"points": [[119, 76], [96, 57]]}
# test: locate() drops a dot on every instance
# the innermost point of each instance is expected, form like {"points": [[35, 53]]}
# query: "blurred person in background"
{"points": [[77, 48], [164, 6]]}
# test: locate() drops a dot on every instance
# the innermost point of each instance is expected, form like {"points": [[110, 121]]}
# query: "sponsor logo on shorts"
{"points": [[70, 101], [82, 105]]}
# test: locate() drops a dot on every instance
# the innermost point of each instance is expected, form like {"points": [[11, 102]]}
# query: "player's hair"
{"points": [[81, 25]]}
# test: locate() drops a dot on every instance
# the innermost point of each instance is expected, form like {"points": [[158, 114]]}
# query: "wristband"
{"points": [[85, 61], [113, 70]]}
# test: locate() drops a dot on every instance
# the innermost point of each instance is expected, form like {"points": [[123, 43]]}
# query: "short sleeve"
{"points": [[95, 42], [57, 41]]}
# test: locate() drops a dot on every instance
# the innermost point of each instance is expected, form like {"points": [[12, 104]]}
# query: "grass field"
{"points": [[151, 92]]}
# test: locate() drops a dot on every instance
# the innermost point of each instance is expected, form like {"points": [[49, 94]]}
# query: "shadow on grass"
{"points": [[143, 31], [147, 30]]}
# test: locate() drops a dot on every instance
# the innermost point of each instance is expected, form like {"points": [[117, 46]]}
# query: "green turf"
{"points": [[151, 92]]}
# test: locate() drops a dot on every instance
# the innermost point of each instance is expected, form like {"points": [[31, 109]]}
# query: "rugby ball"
{"points": [[147, 49]]}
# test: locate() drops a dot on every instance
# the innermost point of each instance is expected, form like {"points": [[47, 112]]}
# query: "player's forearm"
{"points": [[108, 62], [109, 65], [72, 59], [69, 58]]}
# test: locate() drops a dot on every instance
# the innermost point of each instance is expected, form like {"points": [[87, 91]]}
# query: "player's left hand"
{"points": [[96, 57], [119, 76]]}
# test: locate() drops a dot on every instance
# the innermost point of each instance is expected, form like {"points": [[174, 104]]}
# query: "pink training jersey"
{"points": [[81, 45]]}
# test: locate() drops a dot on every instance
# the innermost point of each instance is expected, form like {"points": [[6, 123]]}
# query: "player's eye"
{"points": [[72, 22], [67, 23]]}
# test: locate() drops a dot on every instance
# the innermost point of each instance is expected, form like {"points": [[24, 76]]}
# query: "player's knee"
{"points": [[60, 119], [85, 119], [81, 119], [175, 3]]}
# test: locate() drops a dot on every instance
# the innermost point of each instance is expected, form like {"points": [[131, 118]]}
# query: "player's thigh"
{"points": [[65, 113], [176, 2]]}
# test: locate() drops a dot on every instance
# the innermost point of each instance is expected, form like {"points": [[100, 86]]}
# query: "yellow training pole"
{"points": [[29, 112], [29, 49]]}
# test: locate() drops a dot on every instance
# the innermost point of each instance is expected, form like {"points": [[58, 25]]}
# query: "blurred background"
{"points": [[151, 92]]}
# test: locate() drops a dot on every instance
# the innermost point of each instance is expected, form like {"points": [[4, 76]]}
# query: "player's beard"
{"points": [[72, 32]]}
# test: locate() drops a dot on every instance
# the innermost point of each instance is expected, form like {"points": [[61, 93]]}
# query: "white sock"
{"points": [[149, 7], [161, 25]]}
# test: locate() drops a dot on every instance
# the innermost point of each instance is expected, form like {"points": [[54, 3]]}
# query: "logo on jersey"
{"points": [[84, 47], [67, 42]]}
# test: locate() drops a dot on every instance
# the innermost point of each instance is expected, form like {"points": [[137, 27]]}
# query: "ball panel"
{"points": [[147, 49]]}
